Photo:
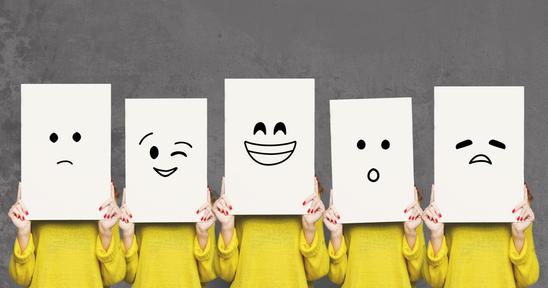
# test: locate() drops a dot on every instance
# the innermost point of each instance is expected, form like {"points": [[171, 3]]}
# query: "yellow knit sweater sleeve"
{"points": [[415, 255], [132, 261], [205, 258], [21, 267], [338, 262], [228, 257], [526, 267], [436, 266], [316, 259], [112, 261]]}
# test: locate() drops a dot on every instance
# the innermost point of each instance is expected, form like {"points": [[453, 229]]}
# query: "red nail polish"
{"points": [[304, 203], [130, 215], [513, 210], [338, 217], [197, 211], [226, 213], [230, 207], [105, 216], [439, 215], [23, 218], [405, 211], [100, 208], [26, 212]]}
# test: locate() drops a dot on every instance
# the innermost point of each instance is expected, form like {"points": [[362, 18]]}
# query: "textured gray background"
{"points": [[353, 48]]}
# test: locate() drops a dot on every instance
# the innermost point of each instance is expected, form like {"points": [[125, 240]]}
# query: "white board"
{"points": [[65, 150], [269, 145], [372, 159], [166, 159], [478, 152]]}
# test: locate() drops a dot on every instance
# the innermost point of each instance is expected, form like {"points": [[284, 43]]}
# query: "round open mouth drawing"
{"points": [[373, 175], [165, 173], [65, 161], [480, 158], [270, 154]]}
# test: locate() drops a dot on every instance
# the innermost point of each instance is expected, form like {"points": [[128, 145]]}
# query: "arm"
{"points": [[526, 266], [112, 261], [22, 262], [229, 255], [437, 261], [131, 257], [338, 260], [205, 257], [316, 259], [414, 255]]}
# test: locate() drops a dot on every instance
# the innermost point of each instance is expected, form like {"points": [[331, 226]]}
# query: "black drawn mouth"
{"points": [[270, 154], [373, 175], [480, 158], [65, 161], [165, 173]]}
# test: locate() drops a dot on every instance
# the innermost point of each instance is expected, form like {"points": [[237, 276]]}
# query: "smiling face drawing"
{"points": [[154, 153], [53, 138], [270, 154], [373, 174], [480, 158]]}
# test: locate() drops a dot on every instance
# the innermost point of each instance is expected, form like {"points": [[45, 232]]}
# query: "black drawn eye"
{"points": [[464, 143], [154, 152], [53, 137], [385, 144], [76, 136], [360, 144], [280, 126], [497, 144], [259, 127], [178, 153]]}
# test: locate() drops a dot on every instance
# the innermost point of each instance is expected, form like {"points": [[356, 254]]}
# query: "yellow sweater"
{"points": [[67, 254], [272, 252], [378, 255], [481, 255], [169, 255]]}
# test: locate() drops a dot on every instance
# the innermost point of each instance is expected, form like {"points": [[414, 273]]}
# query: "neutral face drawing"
{"points": [[373, 174], [480, 158], [76, 137], [269, 154], [154, 153]]}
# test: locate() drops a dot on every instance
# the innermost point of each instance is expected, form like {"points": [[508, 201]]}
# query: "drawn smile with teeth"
{"points": [[480, 158], [270, 154], [165, 173]]}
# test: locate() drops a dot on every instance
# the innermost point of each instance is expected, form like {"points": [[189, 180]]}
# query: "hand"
{"points": [[330, 219], [17, 214], [208, 217], [315, 209], [125, 223], [109, 219], [415, 213], [221, 209], [526, 216]]}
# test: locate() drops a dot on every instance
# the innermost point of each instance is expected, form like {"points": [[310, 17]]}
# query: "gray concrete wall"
{"points": [[353, 49]]}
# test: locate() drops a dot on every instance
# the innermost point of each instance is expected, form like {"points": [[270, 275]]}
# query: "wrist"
{"points": [[436, 235], [201, 232], [105, 232], [518, 235], [336, 236], [23, 232]]}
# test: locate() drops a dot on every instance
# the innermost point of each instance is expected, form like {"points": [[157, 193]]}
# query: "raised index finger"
{"points": [[432, 194], [331, 198]]}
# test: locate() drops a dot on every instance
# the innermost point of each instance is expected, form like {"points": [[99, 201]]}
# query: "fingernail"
{"points": [[100, 208], [130, 215], [23, 217], [338, 217], [230, 207], [26, 212], [197, 211], [513, 210], [226, 213], [304, 203], [439, 214], [105, 216], [405, 211]]}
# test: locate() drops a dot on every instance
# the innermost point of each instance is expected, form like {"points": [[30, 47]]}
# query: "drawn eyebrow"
{"points": [[144, 138], [497, 144], [463, 144], [183, 142]]}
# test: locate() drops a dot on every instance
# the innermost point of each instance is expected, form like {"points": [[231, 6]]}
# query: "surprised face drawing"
{"points": [[269, 154], [373, 174], [179, 150]]}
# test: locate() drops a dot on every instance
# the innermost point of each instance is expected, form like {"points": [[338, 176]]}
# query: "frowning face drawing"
{"points": [[270, 153], [177, 150], [480, 158]]}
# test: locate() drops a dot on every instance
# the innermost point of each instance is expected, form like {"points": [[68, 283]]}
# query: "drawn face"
{"points": [[480, 158], [373, 174], [179, 149], [269, 154], [54, 138]]}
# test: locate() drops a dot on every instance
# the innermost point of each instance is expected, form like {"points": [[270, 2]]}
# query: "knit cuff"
{"points": [[310, 250], [337, 257], [204, 254], [230, 249], [103, 255], [436, 260], [22, 257]]}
